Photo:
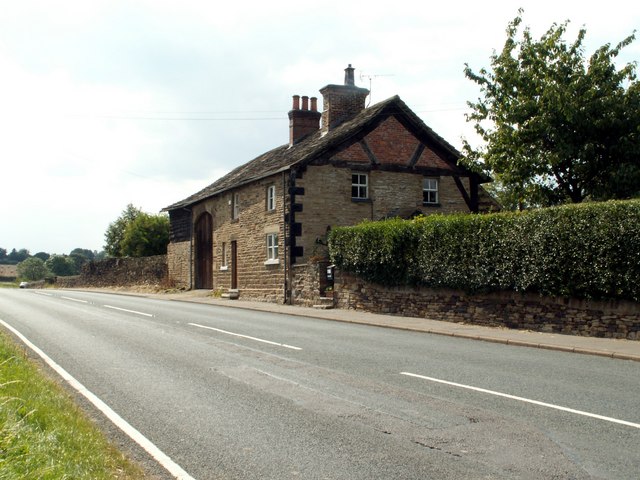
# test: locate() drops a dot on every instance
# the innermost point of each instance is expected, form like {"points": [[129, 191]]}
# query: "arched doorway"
{"points": [[204, 251]]}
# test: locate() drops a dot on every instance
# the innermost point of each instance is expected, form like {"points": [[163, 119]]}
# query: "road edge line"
{"points": [[162, 458]]}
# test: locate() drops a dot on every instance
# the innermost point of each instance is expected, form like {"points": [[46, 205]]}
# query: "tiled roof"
{"points": [[318, 145]]}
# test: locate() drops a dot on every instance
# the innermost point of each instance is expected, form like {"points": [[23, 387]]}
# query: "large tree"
{"points": [[115, 232], [145, 236], [137, 234], [61, 265], [17, 256], [556, 127], [32, 269]]}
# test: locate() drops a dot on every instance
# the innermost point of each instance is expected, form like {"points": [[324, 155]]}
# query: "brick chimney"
{"points": [[303, 121], [342, 102]]}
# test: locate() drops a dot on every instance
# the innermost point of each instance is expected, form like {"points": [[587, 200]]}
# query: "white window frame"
{"points": [[360, 181], [271, 198], [430, 191], [235, 206], [272, 249], [223, 261]]}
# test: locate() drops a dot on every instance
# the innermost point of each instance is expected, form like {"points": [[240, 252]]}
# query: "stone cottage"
{"points": [[247, 230]]}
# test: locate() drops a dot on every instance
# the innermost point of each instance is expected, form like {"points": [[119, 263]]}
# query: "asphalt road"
{"points": [[235, 394]]}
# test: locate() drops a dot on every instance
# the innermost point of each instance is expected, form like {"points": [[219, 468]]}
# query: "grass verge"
{"points": [[43, 434]]}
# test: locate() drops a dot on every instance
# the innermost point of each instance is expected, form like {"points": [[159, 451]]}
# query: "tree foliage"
{"points": [[145, 236], [137, 234], [115, 232], [84, 252], [556, 128], [32, 269], [44, 256], [61, 265], [17, 256]]}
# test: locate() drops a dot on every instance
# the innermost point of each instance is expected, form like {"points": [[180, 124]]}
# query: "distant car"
{"points": [[24, 284]]}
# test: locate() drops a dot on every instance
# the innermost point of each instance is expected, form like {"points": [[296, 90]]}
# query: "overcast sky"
{"points": [[106, 103]]}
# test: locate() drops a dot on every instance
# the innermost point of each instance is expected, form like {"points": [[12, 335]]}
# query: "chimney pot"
{"points": [[303, 122], [349, 76], [342, 102]]}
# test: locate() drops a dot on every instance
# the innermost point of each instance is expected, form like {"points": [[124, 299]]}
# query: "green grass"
{"points": [[43, 434]]}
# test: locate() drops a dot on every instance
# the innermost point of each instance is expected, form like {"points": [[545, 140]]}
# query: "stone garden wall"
{"points": [[120, 272], [614, 319]]}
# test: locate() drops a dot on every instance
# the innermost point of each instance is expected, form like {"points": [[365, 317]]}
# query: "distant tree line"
{"points": [[133, 234], [77, 256], [43, 265]]}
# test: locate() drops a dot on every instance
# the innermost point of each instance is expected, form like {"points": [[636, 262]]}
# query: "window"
{"points": [[235, 206], [223, 260], [271, 198], [430, 191], [359, 186], [272, 248]]}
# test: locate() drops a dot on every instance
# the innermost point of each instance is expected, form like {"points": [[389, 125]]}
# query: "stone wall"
{"points": [[613, 319], [309, 283], [179, 263], [120, 272]]}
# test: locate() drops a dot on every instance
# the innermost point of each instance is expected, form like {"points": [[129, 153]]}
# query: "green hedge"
{"points": [[590, 250]]}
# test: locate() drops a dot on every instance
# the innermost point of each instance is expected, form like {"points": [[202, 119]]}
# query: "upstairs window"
{"points": [[359, 186], [430, 191], [235, 206], [271, 198]]}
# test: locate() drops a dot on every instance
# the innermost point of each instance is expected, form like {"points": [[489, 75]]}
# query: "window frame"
{"points": [[271, 198], [358, 185], [272, 249], [235, 206], [428, 190], [223, 257]]}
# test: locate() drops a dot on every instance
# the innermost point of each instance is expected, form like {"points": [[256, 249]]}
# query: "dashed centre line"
{"points": [[128, 311], [246, 336], [526, 400], [75, 299]]}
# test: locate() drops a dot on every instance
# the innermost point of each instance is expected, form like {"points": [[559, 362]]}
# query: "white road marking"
{"points": [[246, 336], [128, 311], [75, 300], [527, 400], [44, 294], [116, 419]]}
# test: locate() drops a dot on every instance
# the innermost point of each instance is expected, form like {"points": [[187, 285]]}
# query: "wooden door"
{"points": [[234, 265], [204, 252]]}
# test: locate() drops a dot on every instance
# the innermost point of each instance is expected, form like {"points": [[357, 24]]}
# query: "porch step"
{"points": [[232, 294], [324, 303]]}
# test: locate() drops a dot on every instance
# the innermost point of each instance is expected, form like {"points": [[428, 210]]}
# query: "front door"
{"points": [[204, 252], [234, 265]]}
